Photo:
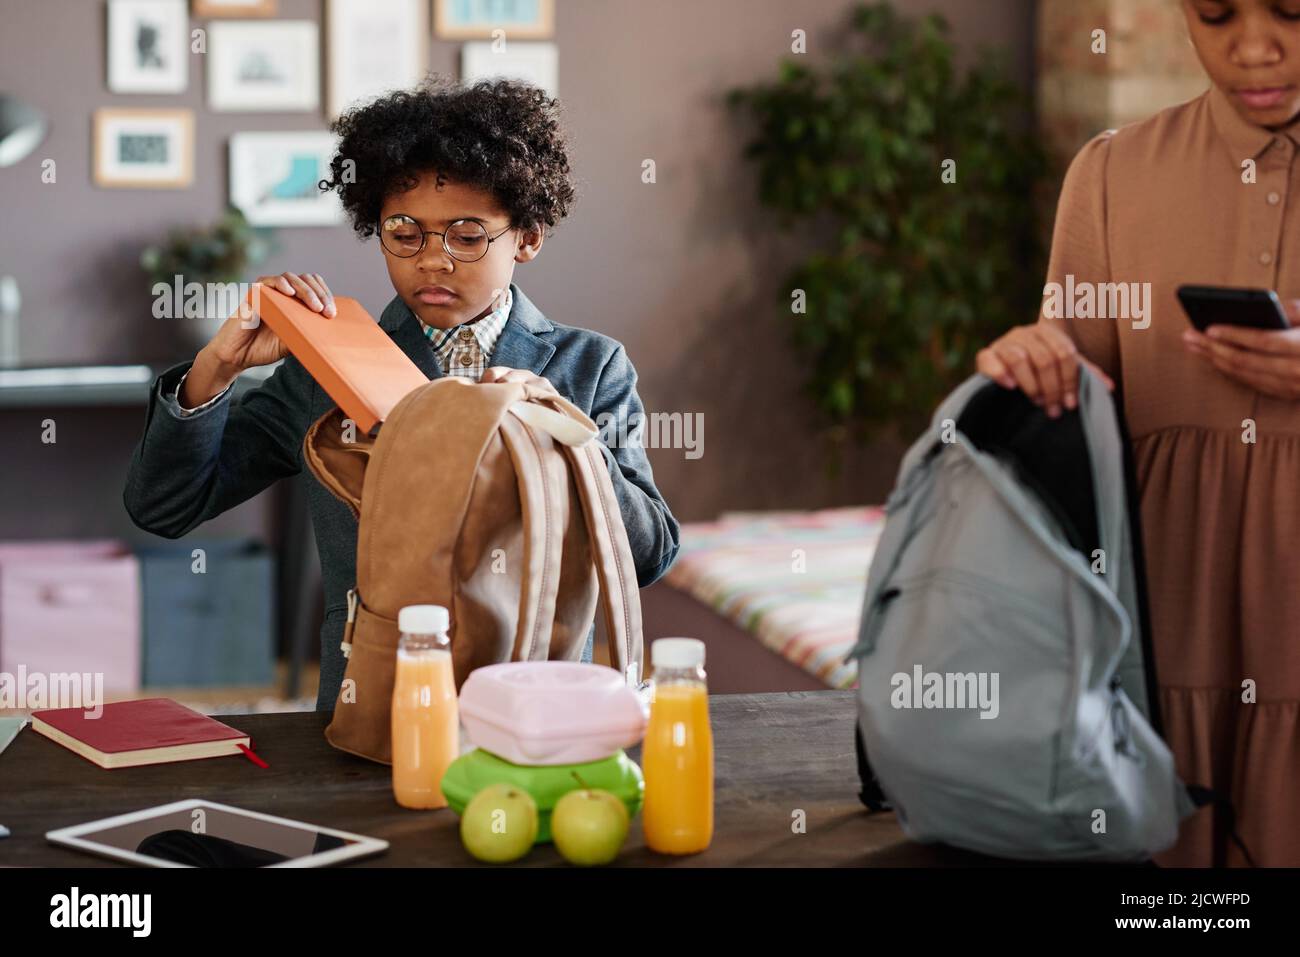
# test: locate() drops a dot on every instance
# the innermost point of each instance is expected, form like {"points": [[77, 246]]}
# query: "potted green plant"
{"points": [[195, 258], [917, 181]]}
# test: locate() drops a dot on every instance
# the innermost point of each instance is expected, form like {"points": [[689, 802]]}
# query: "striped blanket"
{"points": [[794, 580]]}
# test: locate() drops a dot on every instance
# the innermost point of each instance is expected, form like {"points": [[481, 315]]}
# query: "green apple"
{"points": [[589, 826], [499, 824]]}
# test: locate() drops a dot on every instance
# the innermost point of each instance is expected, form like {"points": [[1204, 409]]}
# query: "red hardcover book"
{"points": [[132, 733]]}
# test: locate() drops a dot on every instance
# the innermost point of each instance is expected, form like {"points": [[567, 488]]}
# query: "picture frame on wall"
{"points": [[274, 178], [234, 8], [148, 46], [372, 49], [476, 19], [268, 66], [143, 149], [536, 63]]}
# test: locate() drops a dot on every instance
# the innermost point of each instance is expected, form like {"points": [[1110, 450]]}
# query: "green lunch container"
{"points": [[474, 770]]}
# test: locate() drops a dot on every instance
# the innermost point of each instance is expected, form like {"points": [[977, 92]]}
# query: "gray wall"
{"points": [[683, 272]]}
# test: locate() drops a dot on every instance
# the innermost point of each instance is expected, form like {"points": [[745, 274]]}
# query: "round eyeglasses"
{"points": [[466, 240]]}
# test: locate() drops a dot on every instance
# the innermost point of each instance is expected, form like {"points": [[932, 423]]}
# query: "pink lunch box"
{"points": [[550, 712]]}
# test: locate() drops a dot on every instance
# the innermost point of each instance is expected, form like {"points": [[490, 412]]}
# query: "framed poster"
{"points": [[148, 46], [144, 149], [234, 8], [373, 48], [537, 63], [263, 66], [476, 19], [274, 178]]}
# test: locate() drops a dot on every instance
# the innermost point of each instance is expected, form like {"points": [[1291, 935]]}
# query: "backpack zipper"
{"points": [[1121, 729], [350, 624]]}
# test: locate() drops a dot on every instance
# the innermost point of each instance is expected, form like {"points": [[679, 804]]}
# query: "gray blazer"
{"points": [[185, 470]]}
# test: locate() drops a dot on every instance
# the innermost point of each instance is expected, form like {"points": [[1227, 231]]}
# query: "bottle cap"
{"points": [[423, 619], [677, 653]]}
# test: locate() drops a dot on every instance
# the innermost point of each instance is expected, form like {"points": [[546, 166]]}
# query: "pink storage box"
{"points": [[71, 606], [550, 712]]}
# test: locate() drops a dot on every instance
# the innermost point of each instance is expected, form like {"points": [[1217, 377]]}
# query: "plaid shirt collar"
{"points": [[486, 331]]}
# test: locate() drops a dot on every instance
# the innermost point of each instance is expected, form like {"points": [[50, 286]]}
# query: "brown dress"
{"points": [[1163, 202]]}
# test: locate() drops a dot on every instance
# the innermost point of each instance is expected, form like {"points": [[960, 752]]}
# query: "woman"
{"points": [[1206, 193]]}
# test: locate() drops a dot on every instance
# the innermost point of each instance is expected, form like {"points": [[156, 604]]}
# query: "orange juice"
{"points": [[677, 755], [426, 726]]}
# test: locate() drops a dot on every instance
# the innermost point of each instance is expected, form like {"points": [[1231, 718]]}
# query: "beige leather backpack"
{"points": [[493, 500]]}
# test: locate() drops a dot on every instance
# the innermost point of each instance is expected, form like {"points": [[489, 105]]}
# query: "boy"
{"points": [[459, 183]]}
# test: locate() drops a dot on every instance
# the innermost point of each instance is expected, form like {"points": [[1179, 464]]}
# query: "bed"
{"points": [[775, 596]]}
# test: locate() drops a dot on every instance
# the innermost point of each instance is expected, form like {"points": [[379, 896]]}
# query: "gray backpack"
{"points": [[1005, 700]]}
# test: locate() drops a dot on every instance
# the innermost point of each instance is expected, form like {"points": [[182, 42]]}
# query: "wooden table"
{"points": [[775, 755]]}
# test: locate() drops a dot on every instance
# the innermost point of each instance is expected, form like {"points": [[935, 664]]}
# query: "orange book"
{"points": [[348, 354]]}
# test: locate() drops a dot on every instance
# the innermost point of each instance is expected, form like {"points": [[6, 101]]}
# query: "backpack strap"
{"points": [[620, 600], [1201, 796], [544, 501], [1138, 580], [871, 794], [1106, 453]]}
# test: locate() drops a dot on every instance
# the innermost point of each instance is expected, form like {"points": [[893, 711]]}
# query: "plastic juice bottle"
{"points": [[426, 720], [677, 755]]}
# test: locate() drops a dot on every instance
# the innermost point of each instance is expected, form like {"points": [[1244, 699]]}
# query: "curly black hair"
{"points": [[501, 136]]}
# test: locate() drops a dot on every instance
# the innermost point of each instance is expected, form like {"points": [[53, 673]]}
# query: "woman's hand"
{"points": [[243, 342], [507, 374], [1266, 360], [1043, 361]]}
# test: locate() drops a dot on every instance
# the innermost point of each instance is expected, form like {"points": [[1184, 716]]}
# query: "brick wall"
{"points": [[1148, 65]]}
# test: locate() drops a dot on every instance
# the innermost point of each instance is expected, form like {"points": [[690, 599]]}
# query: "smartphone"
{"points": [[1254, 308]]}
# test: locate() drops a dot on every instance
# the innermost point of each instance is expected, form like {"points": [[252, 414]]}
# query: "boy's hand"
{"points": [[308, 286], [507, 374], [1266, 360], [1043, 361], [243, 341]]}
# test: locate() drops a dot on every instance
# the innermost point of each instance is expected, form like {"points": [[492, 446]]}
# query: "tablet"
{"points": [[198, 833]]}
